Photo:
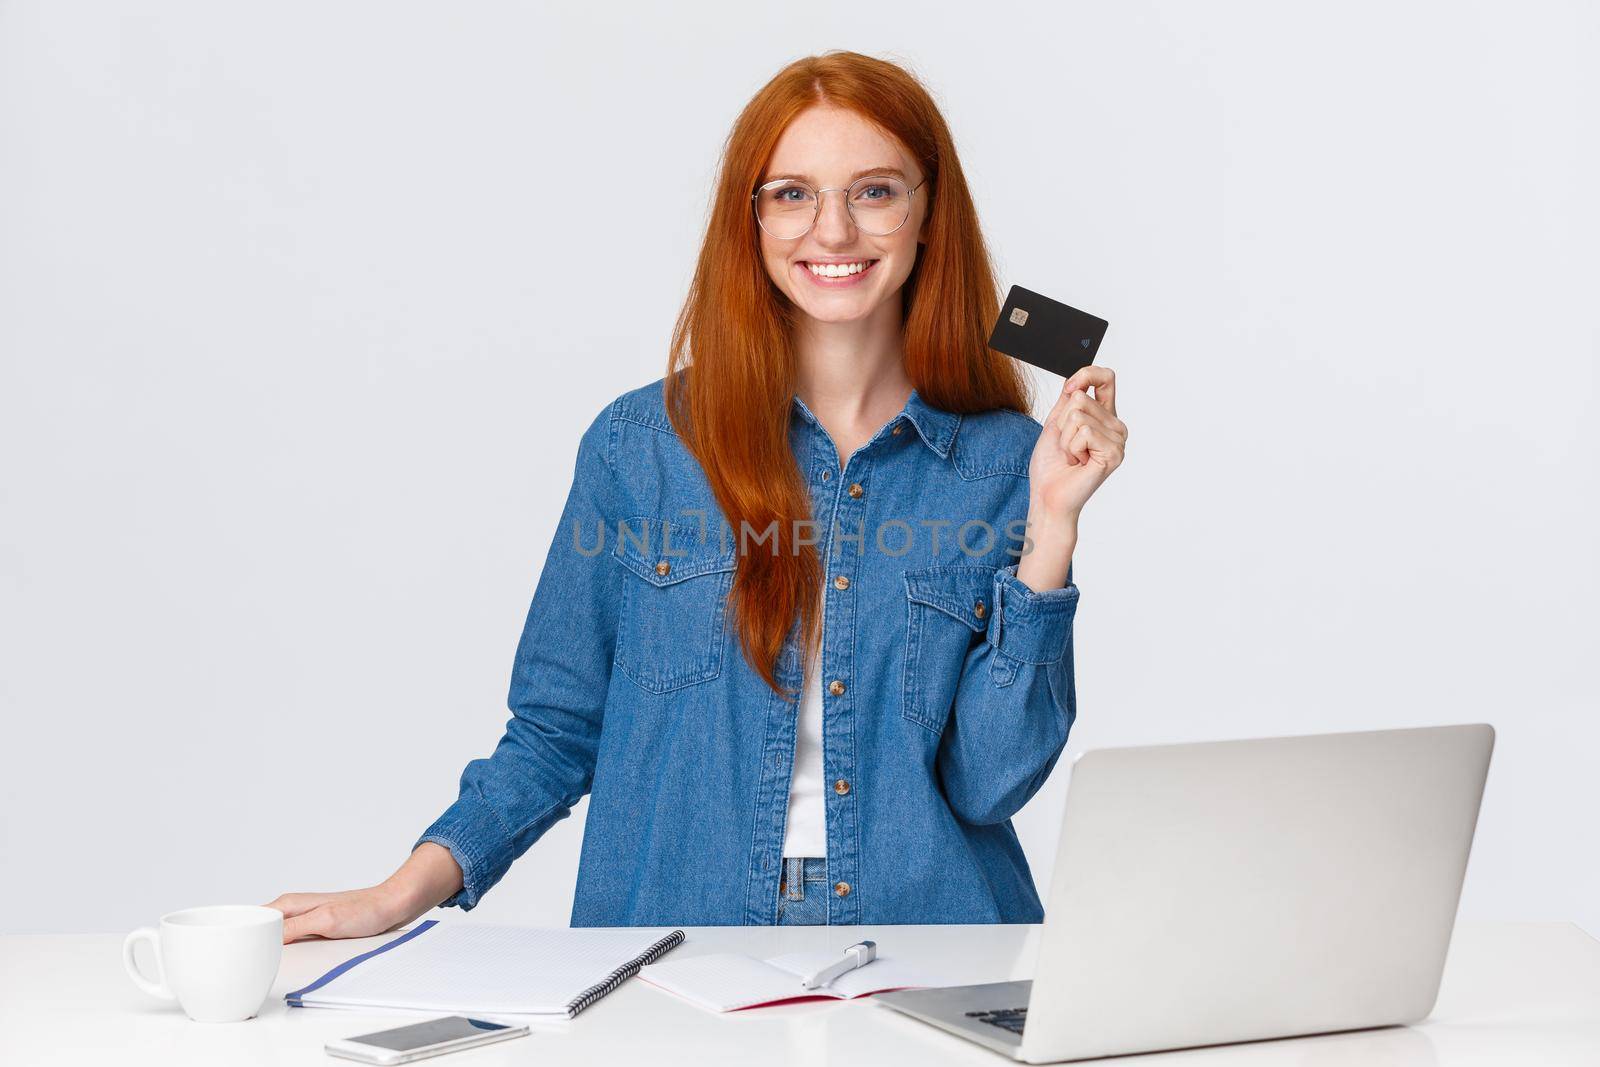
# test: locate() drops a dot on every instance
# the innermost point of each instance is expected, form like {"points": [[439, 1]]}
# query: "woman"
{"points": [[792, 636]]}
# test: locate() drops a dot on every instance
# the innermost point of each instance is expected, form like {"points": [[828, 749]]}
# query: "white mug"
{"points": [[219, 962]]}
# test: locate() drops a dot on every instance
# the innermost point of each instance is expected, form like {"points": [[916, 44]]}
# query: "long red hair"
{"points": [[731, 369]]}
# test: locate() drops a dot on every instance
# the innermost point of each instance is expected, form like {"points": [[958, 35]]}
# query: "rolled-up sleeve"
{"points": [[1015, 703], [544, 763]]}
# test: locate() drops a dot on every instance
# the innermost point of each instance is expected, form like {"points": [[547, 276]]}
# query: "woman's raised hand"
{"points": [[1082, 443]]}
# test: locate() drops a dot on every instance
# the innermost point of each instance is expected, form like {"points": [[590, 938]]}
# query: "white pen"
{"points": [[854, 956]]}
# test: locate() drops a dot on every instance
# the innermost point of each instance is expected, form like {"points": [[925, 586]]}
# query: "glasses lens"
{"points": [[786, 209], [879, 204]]}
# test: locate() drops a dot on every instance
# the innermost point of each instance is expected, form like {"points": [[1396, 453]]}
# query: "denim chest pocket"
{"points": [[947, 608], [671, 621]]}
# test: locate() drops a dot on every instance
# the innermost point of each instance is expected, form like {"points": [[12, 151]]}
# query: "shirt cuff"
{"points": [[464, 829], [1029, 625]]}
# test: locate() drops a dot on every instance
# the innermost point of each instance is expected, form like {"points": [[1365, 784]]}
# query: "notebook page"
{"points": [[723, 981], [885, 972], [540, 1022], [467, 967]]}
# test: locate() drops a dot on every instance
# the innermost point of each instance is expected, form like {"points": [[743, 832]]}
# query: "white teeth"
{"points": [[838, 270]]}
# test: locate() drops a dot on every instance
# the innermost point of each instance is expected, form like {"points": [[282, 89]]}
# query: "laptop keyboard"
{"points": [[1006, 1018]]}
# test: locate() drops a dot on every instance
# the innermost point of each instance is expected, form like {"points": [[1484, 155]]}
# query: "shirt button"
{"points": [[842, 888], [663, 568], [841, 582], [836, 687], [896, 428], [826, 475], [979, 610], [856, 490], [841, 787]]}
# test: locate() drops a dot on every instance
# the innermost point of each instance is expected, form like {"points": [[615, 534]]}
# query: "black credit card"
{"points": [[1047, 333]]}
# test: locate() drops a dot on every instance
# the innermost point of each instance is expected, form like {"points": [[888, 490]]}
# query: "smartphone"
{"points": [[418, 1041]]}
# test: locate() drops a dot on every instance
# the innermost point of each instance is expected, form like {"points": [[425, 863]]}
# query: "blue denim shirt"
{"points": [[948, 684]]}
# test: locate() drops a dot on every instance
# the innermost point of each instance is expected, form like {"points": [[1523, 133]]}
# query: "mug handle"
{"points": [[157, 988]]}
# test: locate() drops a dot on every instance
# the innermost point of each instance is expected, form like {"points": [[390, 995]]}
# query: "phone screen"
{"points": [[420, 1035]]}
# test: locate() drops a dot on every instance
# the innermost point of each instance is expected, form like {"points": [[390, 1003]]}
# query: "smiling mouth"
{"points": [[838, 270]]}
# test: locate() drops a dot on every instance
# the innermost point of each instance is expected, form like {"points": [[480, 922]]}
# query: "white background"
{"points": [[303, 307]]}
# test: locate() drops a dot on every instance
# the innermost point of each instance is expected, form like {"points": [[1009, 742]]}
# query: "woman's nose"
{"points": [[833, 219]]}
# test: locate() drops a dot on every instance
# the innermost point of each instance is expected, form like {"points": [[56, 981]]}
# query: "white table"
{"points": [[1514, 993]]}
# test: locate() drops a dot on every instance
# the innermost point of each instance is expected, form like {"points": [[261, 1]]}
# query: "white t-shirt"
{"points": [[806, 830]]}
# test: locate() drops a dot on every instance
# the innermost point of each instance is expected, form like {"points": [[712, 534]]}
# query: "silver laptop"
{"points": [[1229, 891]]}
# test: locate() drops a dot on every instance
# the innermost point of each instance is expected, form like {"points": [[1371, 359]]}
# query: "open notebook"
{"points": [[728, 981], [468, 968]]}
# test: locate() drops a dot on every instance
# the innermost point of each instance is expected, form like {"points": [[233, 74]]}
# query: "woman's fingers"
{"points": [[296, 903], [1075, 408], [309, 914], [1080, 443], [350, 917], [1088, 441], [1104, 380], [1083, 410], [318, 922], [353, 913]]}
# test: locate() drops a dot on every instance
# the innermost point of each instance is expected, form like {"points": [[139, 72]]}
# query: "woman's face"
{"points": [[828, 148]]}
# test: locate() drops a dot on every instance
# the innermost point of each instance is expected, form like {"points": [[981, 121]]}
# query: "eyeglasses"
{"points": [[878, 205]]}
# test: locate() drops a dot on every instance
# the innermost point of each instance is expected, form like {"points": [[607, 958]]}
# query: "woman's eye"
{"points": [[784, 194], [876, 192]]}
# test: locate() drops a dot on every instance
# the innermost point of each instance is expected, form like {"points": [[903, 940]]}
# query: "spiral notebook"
{"points": [[471, 968]]}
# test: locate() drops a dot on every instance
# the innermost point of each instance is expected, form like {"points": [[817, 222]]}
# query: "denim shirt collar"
{"points": [[936, 427]]}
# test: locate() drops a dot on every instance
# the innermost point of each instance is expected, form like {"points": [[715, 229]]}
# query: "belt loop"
{"points": [[796, 877]]}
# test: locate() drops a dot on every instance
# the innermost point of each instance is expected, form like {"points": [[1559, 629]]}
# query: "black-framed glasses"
{"points": [[878, 205]]}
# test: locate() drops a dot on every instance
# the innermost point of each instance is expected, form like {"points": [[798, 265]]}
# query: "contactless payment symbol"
{"points": [[1019, 316], [1085, 343]]}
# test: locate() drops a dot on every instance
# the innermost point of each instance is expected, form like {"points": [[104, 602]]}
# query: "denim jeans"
{"points": [[803, 892]]}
